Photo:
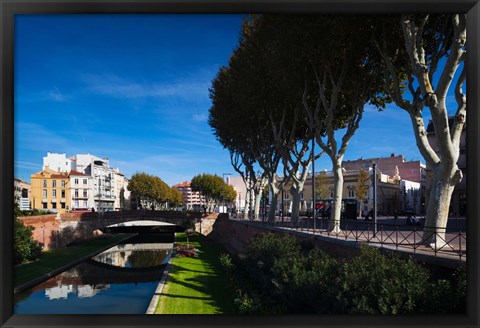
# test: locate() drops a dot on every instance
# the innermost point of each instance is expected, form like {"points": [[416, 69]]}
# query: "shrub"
{"points": [[25, 248], [379, 284]]}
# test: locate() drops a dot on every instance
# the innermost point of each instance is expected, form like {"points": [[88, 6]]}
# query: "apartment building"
{"points": [[192, 199], [50, 191], [80, 191], [108, 187], [21, 194], [103, 180]]}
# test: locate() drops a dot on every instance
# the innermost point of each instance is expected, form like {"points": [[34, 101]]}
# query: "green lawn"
{"points": [[196, 285], [56, 258]]}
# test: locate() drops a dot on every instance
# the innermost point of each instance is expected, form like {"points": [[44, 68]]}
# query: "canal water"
{"points": [[121, 280]]}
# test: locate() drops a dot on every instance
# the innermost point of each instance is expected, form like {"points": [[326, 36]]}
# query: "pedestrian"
{"points": [[365, 214]]}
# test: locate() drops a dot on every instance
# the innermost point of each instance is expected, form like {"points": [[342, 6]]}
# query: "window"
{"points": [[76, 181], [63, 205], [76, 192], [85, 204], [351, 193], [44, 193], [54, 193], [63, 183], [85, 193], [54, 183], [44, 205], [84, 181], [76, 204], [63, 193], [54, 205], [44, 183]]}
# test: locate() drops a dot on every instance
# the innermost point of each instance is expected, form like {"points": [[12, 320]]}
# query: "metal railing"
{"points": [[450, 242]]}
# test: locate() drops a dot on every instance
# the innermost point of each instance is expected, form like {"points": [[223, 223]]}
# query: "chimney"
{"points": [[392, 155]]}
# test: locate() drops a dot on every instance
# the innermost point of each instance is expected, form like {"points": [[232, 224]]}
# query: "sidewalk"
{"points": [[390, 233]]}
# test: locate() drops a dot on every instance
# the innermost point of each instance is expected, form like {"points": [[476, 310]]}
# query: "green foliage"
{"points": [[280, 275], [25, 248], [153, 190], [363, 185], [227, 262], [377, 284], [213, 188]]}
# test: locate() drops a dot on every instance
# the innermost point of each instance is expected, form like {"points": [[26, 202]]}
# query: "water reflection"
{"points": [[120, 280]]}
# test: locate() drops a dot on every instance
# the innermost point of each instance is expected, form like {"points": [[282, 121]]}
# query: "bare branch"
{"points": [[456, 55]]}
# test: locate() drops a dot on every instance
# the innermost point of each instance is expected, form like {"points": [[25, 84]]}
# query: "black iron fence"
{"points": [[450, 241]]}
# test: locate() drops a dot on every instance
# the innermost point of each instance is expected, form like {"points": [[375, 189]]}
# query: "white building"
{"points": [[107, 186], [103, 184], [239, 185], [80, 191], [122, 194], [58, 162], [21, 194]]}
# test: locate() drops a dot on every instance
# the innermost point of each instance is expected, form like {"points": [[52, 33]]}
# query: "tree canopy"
{"points": [[153, 190], [213, 188]]}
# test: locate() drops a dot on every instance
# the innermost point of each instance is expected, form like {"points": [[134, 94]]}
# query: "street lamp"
{"points": [[375, 198], [313, 181], [224, 174], [223, 177]]}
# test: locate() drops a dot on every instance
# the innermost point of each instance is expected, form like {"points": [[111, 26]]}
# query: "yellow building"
{"points": [[50, 191]]}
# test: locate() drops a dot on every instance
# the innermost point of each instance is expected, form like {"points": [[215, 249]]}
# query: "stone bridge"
{"points": [[58, 230]]}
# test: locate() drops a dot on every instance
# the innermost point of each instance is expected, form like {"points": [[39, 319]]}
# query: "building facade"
{"points": [[107, 186], [21, 194], [413, 171], [50, 191], [394, 194], [193, 200], [58, 162], [80, 191]]}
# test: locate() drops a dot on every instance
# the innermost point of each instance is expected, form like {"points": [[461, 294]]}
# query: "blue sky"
{"points": [[134, 88]]}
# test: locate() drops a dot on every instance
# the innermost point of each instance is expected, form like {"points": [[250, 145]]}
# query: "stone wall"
{"points": [[235, 237]]}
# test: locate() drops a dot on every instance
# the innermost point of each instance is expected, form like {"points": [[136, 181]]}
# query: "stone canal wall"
{"points": [[236, 236]]}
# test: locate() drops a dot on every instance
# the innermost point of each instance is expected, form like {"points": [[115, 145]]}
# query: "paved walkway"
{"points": [[390, 233]]}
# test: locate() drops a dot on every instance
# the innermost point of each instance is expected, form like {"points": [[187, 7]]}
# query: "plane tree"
{"points": [[420, 72], [213, 189], [335, 76], [149, 190]]}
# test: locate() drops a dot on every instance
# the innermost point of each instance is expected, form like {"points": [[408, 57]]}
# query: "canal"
{"points": [[120, 280]]}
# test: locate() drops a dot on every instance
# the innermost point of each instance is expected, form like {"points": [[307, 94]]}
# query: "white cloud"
{"points": [[200, 117], [115, 86]]}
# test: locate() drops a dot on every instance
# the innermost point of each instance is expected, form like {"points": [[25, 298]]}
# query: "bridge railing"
{"points": [[450, 242]]}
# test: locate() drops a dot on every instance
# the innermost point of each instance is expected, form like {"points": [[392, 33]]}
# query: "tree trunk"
{"points": [[443, 184], [296, 192], [258, 198], [273, 204], [335, 214]]}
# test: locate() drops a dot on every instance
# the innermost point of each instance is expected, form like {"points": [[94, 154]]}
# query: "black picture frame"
{"points": [[10, 8]]}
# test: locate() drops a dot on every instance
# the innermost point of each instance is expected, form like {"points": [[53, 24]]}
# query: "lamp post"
{"points": [[313, 181], [240, 201], [375, 198], [224, 174], [223, 177]]}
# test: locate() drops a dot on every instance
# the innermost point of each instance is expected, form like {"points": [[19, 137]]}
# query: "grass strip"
{"points": [[53, 259], [196, 285]]}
